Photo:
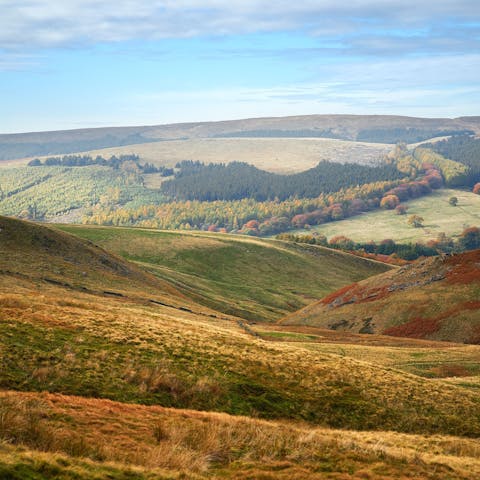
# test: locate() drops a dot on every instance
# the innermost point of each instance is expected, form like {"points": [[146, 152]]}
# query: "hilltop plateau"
{"points": [[364, 128]]}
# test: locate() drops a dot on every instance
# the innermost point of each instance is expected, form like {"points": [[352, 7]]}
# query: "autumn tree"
{"points": [[416, 221], [341, 241], [476, 188], [389, 202]]}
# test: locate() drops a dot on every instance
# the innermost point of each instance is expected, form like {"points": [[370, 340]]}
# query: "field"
{"points": [[279, 155], [108, 372], [438, 214], [253, 279]]}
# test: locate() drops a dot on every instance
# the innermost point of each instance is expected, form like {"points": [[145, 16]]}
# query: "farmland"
{"points": [[438, 214]]}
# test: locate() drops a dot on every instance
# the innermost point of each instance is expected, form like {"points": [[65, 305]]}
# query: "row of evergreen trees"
{"points": [[112, 162], [237, 180], [464, 149]]}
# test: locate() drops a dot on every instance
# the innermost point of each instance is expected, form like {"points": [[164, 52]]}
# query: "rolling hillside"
{"points": [[133, 442], [377, 128], [436, 298], [79, 342], [98, 385], [40, 255], [258, 280]]}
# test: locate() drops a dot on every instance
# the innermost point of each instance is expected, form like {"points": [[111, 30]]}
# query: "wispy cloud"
{"points": [[410, 86], [67, 60], [30, 24]]}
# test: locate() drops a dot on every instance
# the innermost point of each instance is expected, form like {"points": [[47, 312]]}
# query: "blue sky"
{"points": [[83, 63]]}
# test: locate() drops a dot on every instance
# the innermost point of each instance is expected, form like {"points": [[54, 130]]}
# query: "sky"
{"points": [[81, 63]]}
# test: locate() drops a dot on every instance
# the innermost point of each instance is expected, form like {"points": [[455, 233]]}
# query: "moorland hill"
{"points": [[435, 298]]}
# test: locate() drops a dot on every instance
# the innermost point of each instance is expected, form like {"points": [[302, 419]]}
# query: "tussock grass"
{"points": [[157, 355], [210, 445]]}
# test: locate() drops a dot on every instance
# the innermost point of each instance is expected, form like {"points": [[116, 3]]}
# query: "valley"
{"points": [[135, 360], [153, 327], [255, 279]]}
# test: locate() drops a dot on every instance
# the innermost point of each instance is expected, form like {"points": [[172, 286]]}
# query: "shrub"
{"points": [[401, 209], [389, 202]]}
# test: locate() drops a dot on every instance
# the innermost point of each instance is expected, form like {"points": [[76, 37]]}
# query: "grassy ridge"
{"points": [[33, 251], [253, 279]]}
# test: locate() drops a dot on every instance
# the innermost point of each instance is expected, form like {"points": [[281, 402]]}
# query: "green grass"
{"points": [[254, 279], [287, 336], [439, 217]]}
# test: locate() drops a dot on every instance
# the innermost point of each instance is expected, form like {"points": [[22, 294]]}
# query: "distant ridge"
{"points": [[368, 128]]}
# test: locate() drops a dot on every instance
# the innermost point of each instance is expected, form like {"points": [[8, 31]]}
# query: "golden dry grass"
{"points": [[212, 444], [158, 354], [280, 155]]}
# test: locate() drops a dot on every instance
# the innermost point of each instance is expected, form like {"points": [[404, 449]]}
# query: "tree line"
{"points": [[469, 239], [464, 149], [115, 162], [237, 180]]}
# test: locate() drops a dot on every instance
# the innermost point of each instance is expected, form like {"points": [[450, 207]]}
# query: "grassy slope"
{"points": [[254, 279], [83, 344], [158, 443], [438, 214], [437, 298], [121, 348], [425, 358], [41, 254]]}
